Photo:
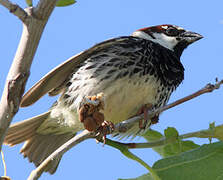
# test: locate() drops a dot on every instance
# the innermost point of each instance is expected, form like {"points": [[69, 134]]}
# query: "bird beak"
{"points": [[190, 37]]}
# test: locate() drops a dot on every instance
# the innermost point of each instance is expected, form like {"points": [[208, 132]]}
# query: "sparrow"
{"points": [[130, 71]]}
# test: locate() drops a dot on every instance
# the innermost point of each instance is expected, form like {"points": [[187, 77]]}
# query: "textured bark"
{"points": [[34, 20]]}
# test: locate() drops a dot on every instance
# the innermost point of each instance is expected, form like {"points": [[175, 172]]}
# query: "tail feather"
{"points": [[26, 124], [24, 130], [19, 136], [37, 147], [36, 156], [20, 139]]}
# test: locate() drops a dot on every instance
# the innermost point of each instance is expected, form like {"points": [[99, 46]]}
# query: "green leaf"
{"points": [[188, 145], [171, 149], [212, 126], [171, 132], [218, 132], [212, 129], [61, 3], [152, 135], [178, 146], [29, 3], [143, 177], [203, 163]]}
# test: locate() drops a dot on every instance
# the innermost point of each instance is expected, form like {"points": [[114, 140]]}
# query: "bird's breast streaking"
{"points": [[129, 75]]}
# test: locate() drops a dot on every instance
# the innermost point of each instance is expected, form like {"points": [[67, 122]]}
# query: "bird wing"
{"points": [[53, 81]]}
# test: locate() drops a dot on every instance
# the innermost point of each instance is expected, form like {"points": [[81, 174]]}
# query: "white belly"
{"points": [[125, 97]]}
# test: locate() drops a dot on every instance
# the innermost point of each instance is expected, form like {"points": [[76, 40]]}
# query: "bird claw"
{"points": [[107, 127], [155, 119], [143, 122]]}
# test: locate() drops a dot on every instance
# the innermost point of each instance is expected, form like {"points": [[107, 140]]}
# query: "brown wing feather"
{"points": [[50, 81], [56, 78]]}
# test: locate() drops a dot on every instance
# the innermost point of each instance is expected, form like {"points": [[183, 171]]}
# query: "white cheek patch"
{"points": [[166, 41], [160, 38]]}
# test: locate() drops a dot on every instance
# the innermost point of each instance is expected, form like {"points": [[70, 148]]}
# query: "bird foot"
{"points": [[92, 118], [155, 119], [107, 127], [143, 122]]}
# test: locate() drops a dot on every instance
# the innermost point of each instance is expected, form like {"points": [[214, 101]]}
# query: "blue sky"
{"points": [[78, 27]]}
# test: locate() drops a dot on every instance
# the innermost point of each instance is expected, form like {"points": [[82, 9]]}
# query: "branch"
{"points": [[207, 89], [35, 174], [44, 9], [14, 9], [20, 68], [123, 127]]}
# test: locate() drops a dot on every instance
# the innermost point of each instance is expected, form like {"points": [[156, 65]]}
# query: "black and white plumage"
{"points": [[131, 71]]}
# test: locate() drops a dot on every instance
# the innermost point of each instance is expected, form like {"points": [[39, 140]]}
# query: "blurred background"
{"points": [[75, 28]]}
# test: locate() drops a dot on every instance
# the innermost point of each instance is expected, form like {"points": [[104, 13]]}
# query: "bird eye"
{"points": [[172, 31]]}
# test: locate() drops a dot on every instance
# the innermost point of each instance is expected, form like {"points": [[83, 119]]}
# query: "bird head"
{"points": [[172, 37]]}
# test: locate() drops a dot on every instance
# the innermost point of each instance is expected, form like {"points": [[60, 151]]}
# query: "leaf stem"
{"points": [[206, 133], [124, 150]]}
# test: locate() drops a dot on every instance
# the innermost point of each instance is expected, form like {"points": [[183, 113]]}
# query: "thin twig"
{"points": [[157, 143], [207, 89], [207, 133]]}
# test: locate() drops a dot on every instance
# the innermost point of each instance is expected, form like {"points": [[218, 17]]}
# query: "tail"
{"points": [[37, 147]]}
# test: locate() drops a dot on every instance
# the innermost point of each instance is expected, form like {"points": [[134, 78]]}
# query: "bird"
{"points": [[132, 71]]}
